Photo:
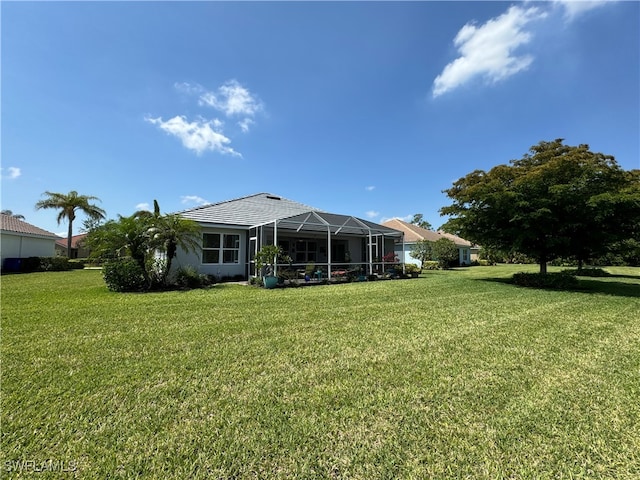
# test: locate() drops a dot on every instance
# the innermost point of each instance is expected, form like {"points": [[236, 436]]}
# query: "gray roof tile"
{"points": [[247, 211]]}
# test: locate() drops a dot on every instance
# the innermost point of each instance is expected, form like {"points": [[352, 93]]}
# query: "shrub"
{"points": [[482, 263], [76, 264], [55, 264], [431, 265], [411, 267], [189, 277], [587, 272], [31, 264], [124, 275], [556, 281]]}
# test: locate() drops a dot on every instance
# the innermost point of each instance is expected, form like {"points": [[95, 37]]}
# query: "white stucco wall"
{"points": [[218, 269], [464, 260], [24, 246]]}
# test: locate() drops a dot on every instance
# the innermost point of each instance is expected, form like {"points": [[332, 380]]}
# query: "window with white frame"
{"points": [[220, 248]]}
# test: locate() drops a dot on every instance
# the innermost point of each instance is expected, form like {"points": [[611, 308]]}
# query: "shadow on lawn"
{"points": [[618, 289]]}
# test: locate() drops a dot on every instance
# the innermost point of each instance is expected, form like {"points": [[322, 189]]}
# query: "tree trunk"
{"points": [[543, 263], [69, 234]]}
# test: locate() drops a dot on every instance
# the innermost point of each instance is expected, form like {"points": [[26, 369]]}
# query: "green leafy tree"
{"points": [[69, 204], [445, 252], [419, 220], [557, 201], [422, 250]]}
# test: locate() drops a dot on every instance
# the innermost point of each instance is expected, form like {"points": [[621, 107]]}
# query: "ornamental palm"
{"points": [[68, 204], [169, 232]]}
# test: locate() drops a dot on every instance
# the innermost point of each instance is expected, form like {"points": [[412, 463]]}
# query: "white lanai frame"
{"points": [[316, 221]]}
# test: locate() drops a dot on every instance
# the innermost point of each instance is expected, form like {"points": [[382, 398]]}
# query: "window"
{"points": [[306, 251], [220, 248]]}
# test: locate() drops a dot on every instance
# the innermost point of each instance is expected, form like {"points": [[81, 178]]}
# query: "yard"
{"points": [[454, 375]]}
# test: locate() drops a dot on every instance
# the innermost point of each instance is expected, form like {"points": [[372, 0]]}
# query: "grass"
{"points": [[454, 375]]}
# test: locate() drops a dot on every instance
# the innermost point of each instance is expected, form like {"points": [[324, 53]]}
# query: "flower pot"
{"points": [[270, 281]]}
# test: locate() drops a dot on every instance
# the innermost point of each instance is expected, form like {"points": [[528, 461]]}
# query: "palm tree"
{"points": [[68, 204], [170, 231], [14, 215]]}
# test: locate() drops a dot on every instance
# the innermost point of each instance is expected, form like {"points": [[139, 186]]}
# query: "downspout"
{"points": [[275, 243], [403, 256], [370, 253], [329, 252]]}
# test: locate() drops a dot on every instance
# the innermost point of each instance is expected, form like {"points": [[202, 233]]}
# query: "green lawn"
{"points": [[454, 375]]}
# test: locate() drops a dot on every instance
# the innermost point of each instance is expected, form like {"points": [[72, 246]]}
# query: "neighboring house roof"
{"points": [[456, 239], [414, 233], [248, 211], [74, 240], [11, 224]]}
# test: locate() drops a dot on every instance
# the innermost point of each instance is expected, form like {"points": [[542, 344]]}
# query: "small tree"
{"points": [[445, 252], [423, 251]]}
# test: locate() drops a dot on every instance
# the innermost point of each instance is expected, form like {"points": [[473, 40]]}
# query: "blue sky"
{"points": [[366, 109]]}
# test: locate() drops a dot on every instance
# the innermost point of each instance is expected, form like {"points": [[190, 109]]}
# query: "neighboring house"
{"points": [[234, 231], [19, 239], [414, 234], [77, 248]]}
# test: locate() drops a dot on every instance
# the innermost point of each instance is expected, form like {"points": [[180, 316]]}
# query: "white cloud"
{"points": [[372, 214], [188, 88], [245, 124], [370, 188], [200, 135], [143, 207], [13, 173], [193, 199], [574, 8], [232, 99], [487, 51]]}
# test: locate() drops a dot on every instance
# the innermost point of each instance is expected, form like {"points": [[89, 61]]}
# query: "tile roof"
{"points": [[74, 240], [414, 233], [247, 211], [15, 225]]}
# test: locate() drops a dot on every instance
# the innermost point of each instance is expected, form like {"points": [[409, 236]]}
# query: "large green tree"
{"points": [[556, 201], [69, 204]]}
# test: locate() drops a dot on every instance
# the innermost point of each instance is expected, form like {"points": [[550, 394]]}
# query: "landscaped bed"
{"points": [[456, 374]]}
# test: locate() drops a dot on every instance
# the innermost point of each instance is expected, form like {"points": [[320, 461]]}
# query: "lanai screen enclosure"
{"points": [[332, 243]]}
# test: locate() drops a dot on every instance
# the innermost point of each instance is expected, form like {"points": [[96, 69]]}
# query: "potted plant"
{"points": [[266, 259]]}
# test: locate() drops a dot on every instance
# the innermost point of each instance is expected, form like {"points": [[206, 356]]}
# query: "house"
{"points": [[414, 234], [19, 239], [233, 232], [77, 248]]}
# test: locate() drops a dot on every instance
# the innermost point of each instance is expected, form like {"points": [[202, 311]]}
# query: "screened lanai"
{"points": [[328, 243]]}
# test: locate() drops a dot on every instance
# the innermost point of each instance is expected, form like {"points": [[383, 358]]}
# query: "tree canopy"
{"points": [[556, 201], [422, 250], [418, 219]]}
